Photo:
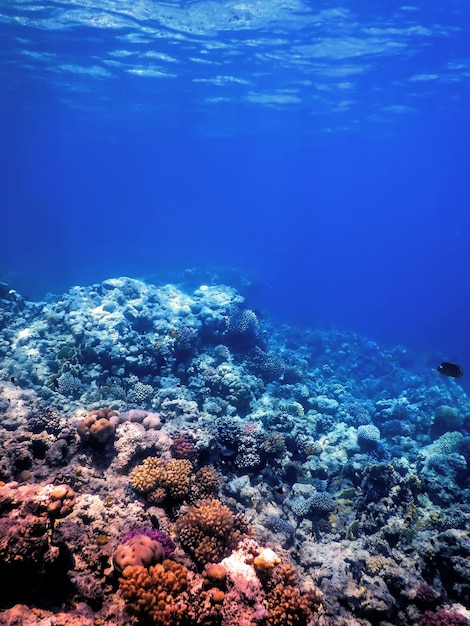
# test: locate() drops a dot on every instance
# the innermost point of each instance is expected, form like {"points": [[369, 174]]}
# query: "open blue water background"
{"points": [[319, 149]]}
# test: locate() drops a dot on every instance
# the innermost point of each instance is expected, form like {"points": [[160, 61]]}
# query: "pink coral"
{"points": [[183, 448], [443, 618]]}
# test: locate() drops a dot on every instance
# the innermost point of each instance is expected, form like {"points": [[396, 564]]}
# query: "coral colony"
{"points": [[174, 459]]}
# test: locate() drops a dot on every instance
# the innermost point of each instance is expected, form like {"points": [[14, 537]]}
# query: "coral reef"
{"points": [[175, 458]]}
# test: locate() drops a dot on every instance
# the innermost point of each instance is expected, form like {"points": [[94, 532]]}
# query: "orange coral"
{"points": [[159, 593], [286, 605], [206, 531]]}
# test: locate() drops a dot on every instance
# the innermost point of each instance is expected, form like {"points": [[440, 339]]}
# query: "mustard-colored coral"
{"points": [[160, 480], [145, 477], [178, 474], [159, 593], [206, 531], [266, 560]]}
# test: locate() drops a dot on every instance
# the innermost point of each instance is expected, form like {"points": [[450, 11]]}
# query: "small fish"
{"points": [[450, 369], [56, 384], [13, 379]]}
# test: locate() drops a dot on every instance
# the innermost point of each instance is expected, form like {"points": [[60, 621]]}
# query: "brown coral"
{"points": [[206, 531], [98, 427], [206, 483], [285, 602], [286, 605]]}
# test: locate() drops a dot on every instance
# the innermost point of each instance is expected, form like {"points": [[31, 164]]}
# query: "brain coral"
{"points": [[139, 550], [206, 531]]}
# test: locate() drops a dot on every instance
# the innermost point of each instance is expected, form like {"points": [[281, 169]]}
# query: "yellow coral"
{"points": [[145, 477], [178, 474], [162, 479], [266, 560]]}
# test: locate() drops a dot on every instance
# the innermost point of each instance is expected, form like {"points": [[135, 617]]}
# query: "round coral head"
{"points": [[216, 575]]}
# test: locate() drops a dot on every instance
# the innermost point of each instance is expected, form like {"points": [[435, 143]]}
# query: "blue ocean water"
{"points": [[316, 153]]}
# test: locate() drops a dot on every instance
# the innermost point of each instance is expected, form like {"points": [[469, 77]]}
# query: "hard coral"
{"points": [[265, 560], [162, 480], [98, 427], [443, 618], [139, 550], [30, 564], [183, 448], [206, 531], [286, 605], [159, 593], [285, 602], [157, 535], [61, 501], [206, 483]]}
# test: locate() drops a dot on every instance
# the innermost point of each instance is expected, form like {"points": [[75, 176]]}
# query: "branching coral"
{"points": [[159, 593], [206, 531], [285, 602], [162, 480], [206, 483]]}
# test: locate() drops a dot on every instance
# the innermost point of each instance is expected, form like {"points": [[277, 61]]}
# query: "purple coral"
{"points": [[183, 448], [443, 618], [157, 535]]}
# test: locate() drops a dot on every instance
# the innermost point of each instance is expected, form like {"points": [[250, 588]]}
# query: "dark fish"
{"points": [[13, 379], [450, 369], [56, 384]]}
